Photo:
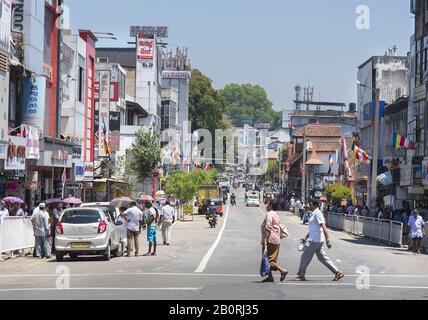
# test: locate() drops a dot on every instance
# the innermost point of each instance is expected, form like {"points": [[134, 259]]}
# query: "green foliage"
{"points": [[338, 192], [248, 102], [206, 105], [184, 185], [145, 156]]}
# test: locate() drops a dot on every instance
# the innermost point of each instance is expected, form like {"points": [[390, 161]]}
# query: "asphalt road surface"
{"points": [[222, 264]]}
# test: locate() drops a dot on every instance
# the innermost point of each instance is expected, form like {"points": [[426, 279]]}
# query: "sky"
{"points": [[274, 43]]}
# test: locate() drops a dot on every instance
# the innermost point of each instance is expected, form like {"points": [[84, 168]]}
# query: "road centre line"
{"points": [[210, 252]]}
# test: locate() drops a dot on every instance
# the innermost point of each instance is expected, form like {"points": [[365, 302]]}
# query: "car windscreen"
{"points": [[81, 217]]}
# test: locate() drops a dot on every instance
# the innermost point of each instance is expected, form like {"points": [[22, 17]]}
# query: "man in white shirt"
{"points": [[167, 220], [318, 234], [40, 221], [4, 213], [417, 232], [134, 217]]}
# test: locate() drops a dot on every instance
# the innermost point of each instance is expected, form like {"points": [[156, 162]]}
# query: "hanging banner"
{"points": [[425, 173], [89, 172], [79, 171], [15, 159], [32, 148], [33, 105], [104, 113]]}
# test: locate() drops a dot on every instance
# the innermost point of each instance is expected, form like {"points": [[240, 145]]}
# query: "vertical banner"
{"points": [[31, 135], [425, 173], [15, 158], [115, 131], [33, 104], [5, 24], [104, 113]]}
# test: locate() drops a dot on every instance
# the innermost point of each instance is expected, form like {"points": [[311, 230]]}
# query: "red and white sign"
{"points": [[145, 49]]}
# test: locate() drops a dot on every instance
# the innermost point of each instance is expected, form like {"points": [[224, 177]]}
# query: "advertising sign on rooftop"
{"points": [[158, 31]]}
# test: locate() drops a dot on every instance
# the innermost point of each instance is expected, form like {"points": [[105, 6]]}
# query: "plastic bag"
{"points": [[265, 265]]}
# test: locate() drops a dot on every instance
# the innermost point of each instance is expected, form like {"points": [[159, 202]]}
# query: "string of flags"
{"points": [[360, 154]]}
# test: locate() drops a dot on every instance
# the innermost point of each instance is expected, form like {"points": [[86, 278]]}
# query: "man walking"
{"points": [[40, 221], [134, 216], [417, 232], [318, 234], [151, 221], [167, 220]]}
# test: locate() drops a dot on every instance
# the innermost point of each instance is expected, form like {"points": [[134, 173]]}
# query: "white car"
{"points": [[253, 201], [88, 231]]}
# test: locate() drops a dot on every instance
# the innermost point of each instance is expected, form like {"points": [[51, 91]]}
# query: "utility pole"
{"points": [[373, 197]]}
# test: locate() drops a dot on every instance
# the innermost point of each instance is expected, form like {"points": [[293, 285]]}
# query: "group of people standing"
{"points": [[150, 218], [314, 242]]}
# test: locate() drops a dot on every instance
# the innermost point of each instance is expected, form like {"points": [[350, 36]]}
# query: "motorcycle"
{"points": [[212, 221], [233, 202]]}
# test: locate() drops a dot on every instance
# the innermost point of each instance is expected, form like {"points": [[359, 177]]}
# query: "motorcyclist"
{"points": [[212, 213], [233, 199]]}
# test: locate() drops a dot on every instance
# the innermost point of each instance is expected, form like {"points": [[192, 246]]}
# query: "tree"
{"points": [[338, 192], [206, 105], [249, 103], [145, 155]]}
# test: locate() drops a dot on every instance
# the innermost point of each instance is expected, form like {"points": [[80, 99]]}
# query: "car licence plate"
{"points": [[80, 245]]}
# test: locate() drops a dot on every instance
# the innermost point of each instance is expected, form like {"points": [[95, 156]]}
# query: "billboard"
{"points": [[33, 104], [176, 74], [425, 173], [158, 31], [145, 48], [15, 157], [5, 23], [89, 172], [104, 112]]}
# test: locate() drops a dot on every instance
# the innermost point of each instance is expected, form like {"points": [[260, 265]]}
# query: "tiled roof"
{"points": [[327, 144], [323, 131]]}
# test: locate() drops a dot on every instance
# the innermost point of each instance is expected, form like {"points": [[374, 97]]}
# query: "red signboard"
{"points": [[145, 49]]}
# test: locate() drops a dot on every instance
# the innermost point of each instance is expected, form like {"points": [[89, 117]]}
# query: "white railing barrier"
{"points": [[16, 234], [383, 230]]}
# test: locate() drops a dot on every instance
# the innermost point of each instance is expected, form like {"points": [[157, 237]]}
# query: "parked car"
{"points": [[88, 231], [253, 201]]}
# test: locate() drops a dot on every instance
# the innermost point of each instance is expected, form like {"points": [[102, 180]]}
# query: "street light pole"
{"points": [[373, 202]]}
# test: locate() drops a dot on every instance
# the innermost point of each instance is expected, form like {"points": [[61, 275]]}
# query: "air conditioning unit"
{"points": [[413, 6], [102, 60], [48, 73]]}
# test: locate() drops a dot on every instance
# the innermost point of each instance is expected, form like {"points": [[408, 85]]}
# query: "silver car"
{"points": [[88, 231]]}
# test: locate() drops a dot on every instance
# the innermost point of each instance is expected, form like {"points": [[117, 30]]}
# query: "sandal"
{"points": [[284, 275], [268, 280], [339, 276]]}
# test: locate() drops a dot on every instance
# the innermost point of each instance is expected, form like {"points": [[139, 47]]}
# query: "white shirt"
{"points": [[380, 215], [316, 233], [20, 213], [134, 217], [416, 225], [168, 213], [4, 213]]}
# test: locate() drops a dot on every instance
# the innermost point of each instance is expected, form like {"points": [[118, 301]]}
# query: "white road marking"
{"points": [[338, 261], [349, 285], [101, 289], [157, 269], [202, 275], [210, 252]]}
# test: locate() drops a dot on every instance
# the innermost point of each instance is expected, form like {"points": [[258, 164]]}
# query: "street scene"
{"points": [[157, 153]]}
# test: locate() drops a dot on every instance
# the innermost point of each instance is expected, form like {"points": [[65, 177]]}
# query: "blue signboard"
{"points": [[33, 104]]}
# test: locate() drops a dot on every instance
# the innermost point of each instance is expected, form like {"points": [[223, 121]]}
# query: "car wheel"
{"points": [[74, 256], [59, 257], [107, 254], [119, 251]]}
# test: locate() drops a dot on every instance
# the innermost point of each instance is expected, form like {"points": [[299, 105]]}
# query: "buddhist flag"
{"points": [[106, 139], [330, 163], [360, 154], [399, 141]]}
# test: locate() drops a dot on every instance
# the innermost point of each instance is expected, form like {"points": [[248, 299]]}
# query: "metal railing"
{"points": [[16, 233], [387, 231]]}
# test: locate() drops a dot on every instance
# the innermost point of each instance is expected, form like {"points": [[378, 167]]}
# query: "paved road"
{"points": [[222, 264]]}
